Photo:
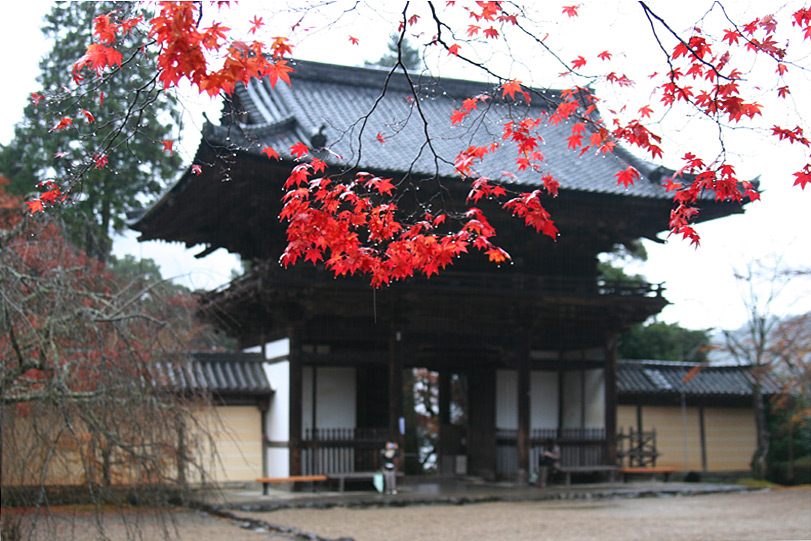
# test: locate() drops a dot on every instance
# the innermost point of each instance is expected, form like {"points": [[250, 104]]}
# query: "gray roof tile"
{"points": [[233, 373], [344, 98], [664, 377]]}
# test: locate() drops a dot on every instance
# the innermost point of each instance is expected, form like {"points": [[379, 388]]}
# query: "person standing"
{"points": [[388, 465]]}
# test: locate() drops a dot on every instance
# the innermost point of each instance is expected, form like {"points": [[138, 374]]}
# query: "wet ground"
{"points": [[469, 509]]}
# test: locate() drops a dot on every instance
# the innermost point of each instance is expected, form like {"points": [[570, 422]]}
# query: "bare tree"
{"points": [[767, 343], [88, 407]]}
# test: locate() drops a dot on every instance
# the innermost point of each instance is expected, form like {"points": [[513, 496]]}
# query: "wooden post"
{"points": [[296, 395], [703, 430], [611, 400], [314, 466], [444, 381], [523, 416], [396, 388]]}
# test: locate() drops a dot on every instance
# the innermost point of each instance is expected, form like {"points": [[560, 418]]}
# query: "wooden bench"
{"points": [[569, 470], [266, 481], [646, 470]]}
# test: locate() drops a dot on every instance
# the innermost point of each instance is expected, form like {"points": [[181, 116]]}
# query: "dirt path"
{"points": [[779, 514]]}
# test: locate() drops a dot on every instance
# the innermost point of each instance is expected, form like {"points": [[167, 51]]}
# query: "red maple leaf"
{"points": [[62, 124], [299, 149], [35, 97], [491, 33], [353, 40], [578, 62], [605, 55], [101, 161], [627, 176], [35, 206], [497, 255], [454, 49], [511, 87], [270, 153], [278, 70], [167, 146], [571, 11], [256, 23], [90, 118], [196, 169], [803, 177], [380, 138], [458, 116], [645, 111]]}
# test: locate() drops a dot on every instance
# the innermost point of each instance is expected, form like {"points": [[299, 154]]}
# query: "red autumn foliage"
{"points": [[354, 225]]}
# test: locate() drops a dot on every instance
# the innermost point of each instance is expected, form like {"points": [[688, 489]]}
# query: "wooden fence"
{"points": [[578, 447], [341, 450]]}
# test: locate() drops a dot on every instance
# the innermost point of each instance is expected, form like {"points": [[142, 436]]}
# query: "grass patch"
{"points": [[757, 483]]}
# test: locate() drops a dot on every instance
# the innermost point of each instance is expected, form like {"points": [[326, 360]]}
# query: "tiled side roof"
{"points": [[663, 377], [343, 99], [233, 373]]}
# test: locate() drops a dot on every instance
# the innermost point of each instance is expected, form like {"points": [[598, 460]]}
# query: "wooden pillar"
{"points": [[444, 381], [395, 387], [481, 436], [523, 415], [702, 428], [296, 396], [444, 461], [611, 400]]}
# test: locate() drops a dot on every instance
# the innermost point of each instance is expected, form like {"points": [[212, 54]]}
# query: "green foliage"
{"points": [[789, 423], [664, 342], [410, 55], [137, 167], [798, 473]]}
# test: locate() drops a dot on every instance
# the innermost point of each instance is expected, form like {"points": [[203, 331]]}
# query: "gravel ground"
{"points": [[779, 514]]}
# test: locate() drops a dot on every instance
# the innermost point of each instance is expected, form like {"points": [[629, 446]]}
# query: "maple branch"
{"points": [[649, 13]]}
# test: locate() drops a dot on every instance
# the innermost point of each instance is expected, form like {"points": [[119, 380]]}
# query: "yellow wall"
{"points": [[731, 438], [38, 448], [729, 432], [237, 432]]}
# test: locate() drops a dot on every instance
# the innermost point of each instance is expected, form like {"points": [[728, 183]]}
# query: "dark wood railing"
{"points": [[523, 283], [341, 450], [637, 449], [578, 447]]}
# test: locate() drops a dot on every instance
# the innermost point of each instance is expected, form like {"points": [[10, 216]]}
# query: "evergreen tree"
{"points": [[664, 342], [410, 55], [128, 116]]}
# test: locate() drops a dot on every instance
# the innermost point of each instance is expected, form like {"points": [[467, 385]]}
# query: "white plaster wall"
{"points": [[507, 399], [543, 399], [278, 418], [335, 397], [572, 393], [595, 398]]}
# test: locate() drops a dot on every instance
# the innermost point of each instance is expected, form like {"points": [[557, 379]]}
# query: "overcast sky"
{"points": [[700, 282]]}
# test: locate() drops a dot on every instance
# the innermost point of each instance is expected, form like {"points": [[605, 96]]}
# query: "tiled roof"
{"points": [[665, 377], [221, 373], [348, 102]]}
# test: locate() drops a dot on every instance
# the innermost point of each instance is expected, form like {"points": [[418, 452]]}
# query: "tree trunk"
{"points": [[759, 466]]}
